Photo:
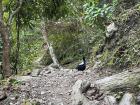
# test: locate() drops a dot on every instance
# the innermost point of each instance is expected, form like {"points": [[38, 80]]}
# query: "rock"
{"points": [[61, 103], [11, 103], [138, 99], [1, 76], [35, 72], [96, 65], [28, 73], [43, 92], [50, 103], [14, 97], [3, 95], [37, 103], [26, 103], [111, 29], [34, 102], [48, 72], [55, 66], [23, 78], [69, 92], [51, 68]]}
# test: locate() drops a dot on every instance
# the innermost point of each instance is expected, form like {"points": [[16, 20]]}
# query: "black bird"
{"points": [[82, 66]]}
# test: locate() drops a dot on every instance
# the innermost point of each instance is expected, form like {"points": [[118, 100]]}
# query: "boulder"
{"points": [[111, 29], [50, 103], [3, 95], [23, 78], [35, 72]]}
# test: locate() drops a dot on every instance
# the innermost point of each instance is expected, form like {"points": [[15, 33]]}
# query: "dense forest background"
{"points": [[75, 29], [43, 41]]}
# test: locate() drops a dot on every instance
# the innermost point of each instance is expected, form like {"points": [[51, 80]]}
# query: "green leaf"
{"points": [[5, 2]]}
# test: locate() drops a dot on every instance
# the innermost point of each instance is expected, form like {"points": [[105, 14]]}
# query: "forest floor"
{"points": [[50, 87]]}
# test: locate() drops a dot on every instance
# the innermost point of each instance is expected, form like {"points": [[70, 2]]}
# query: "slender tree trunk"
{"points": [[17, 45], [51, 51]]}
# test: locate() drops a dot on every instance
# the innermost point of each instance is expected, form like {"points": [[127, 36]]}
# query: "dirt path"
{"points": [[49, 88]]}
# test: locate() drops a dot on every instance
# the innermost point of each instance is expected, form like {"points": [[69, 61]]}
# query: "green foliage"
{"points": [[10, 81], [66, 39], [124, 56], [28, 102], [67, 60], [30, 15], [51, 9], [66, 46], [14, 81], [5, 2], [96, 15], [46, 59], [30, 48], [125, 52], [130, 57]]}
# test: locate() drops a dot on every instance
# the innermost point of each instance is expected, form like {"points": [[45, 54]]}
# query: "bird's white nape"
{"points": [[81, 63]]}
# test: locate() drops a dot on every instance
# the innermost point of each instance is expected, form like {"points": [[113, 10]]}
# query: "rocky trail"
{"points": [[50, 87]]}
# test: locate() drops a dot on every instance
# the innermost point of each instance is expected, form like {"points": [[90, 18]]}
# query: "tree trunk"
{"points": [[84, 92], [6, 48], [124, 80], [17, 45], [5, 31], [49, 45]]}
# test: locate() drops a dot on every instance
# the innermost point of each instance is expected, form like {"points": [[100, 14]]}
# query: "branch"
{"points": [[51, 50], [1, 15], [14, 12]]}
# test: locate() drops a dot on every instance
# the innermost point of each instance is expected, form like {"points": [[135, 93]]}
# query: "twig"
{"points": [[14, 12]]}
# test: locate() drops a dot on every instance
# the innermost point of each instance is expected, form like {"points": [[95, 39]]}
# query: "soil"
{"points": [[50, 87]]}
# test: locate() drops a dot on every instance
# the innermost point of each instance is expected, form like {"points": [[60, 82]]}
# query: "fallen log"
{"points": [[110, 100], [85, 93], [128, 99], [126, 79]]}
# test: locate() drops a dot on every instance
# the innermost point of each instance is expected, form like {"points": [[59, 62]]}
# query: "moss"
{"points": [[67, 60], [27, 102], [46, 59], [123, 50], [127, 13]]}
